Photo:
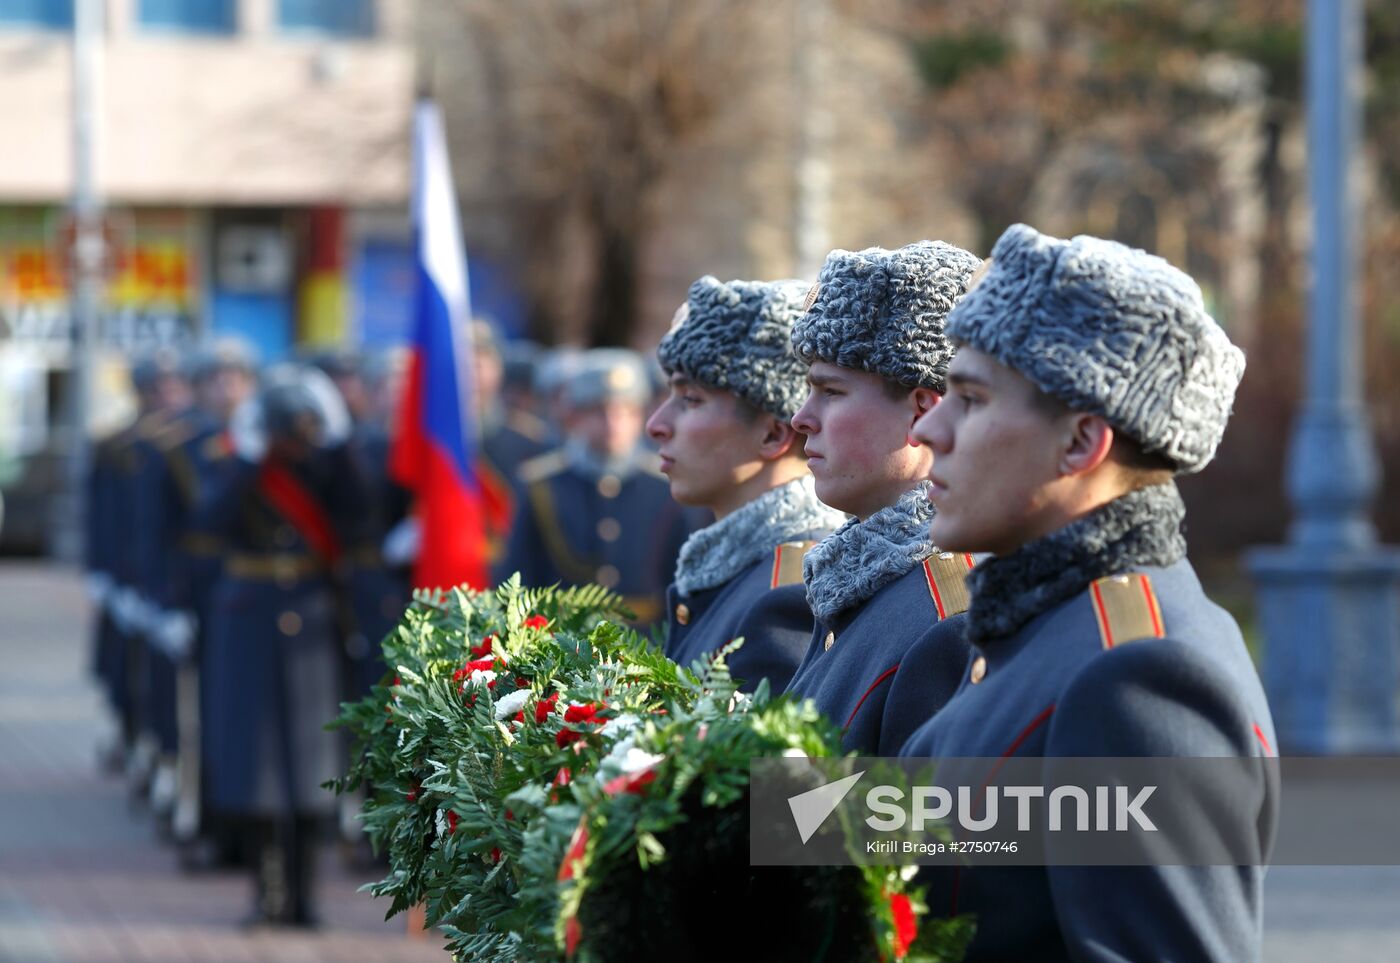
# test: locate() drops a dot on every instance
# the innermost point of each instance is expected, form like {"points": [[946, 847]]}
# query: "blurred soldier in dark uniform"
{"points": [[158, 506], [377, 588], [287, 509], [111, 529], [599, 509], [1088, 375], [185, 561], [509, 437], [726, 444], [553, 371], [520, 362]]}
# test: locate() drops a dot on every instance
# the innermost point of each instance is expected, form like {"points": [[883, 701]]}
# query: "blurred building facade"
{"points": [[254, 159]]}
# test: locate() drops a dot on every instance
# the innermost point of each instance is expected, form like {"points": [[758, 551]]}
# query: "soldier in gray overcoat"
{"points": [[887, 649], [726, 445], [1088, 376]]}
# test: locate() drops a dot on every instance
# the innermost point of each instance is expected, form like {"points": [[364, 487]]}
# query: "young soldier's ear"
{"points": [[779, 438], [1087, 441], [924, 401]]}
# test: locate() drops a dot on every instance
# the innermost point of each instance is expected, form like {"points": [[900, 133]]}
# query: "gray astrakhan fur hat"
{"points": [[736, 336], [1109, 330], [883, 311]]}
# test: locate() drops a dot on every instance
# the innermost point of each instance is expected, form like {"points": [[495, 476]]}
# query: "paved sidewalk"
{"points": [[82, 876]]}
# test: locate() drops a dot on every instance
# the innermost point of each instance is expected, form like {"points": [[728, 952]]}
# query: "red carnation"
{"points": [[495, 854], [476, 665], [451, 821], [536, 622], [629, 782], [544, 707], [521, 682], [588, 712], [906, 927], [519, 716], [485, 647]]}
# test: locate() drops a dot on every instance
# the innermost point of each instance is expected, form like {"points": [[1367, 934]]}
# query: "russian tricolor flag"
{"points": [[434, 447]]}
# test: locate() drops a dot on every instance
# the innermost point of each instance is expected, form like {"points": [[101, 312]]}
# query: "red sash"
{"points": [[285, 493]]}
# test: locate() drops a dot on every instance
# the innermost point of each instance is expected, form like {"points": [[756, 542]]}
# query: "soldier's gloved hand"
{"points": [[247, 431], [173, 633], [401, 544], [125, 607], [99, 587]]}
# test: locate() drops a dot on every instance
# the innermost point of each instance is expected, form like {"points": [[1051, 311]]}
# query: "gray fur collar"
{"points": [[862, 557], [718, 552], [1140, 528]]}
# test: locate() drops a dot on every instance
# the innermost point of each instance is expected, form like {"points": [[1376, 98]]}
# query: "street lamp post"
{"points": [[87, 255], [1329, 601]]}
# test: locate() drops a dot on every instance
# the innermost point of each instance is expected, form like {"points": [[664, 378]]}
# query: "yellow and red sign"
{"points": [[152, 261]]}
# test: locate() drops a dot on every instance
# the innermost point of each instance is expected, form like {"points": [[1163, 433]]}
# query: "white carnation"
{"points": [[624, 759], [619, 725], [637, 759], [509, 705]]}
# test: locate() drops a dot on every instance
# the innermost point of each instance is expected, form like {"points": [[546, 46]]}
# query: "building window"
{"points": [[57, 14], [189, 16], [344, 18]]}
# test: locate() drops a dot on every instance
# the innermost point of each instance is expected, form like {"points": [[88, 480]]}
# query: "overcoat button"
{"points": [[979, 670]]}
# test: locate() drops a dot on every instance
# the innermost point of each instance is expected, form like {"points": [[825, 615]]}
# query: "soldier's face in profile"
{"points": [[611, 429], [709, 445], [857, 442], [486, 378], [996, 456]]}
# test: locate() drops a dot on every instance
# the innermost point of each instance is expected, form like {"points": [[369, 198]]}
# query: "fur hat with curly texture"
{"points": [[1110, 330], [736, 336], [883, 311]]}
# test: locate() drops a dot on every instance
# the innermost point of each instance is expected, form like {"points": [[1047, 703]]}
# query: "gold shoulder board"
{"points": [[787, 563], [947, 581], [1126, 609], [543, 466]]}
